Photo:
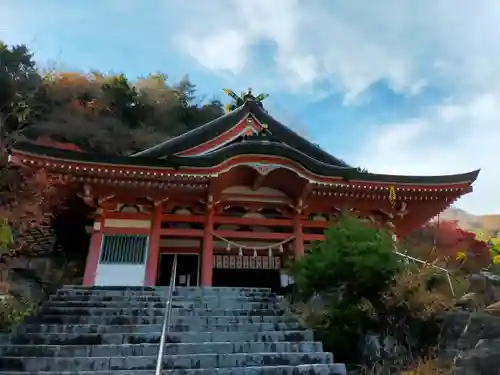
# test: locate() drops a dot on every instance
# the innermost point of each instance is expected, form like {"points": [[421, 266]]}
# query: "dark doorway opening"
{"points": [[72, 240], [187, 269], [247, 278]]}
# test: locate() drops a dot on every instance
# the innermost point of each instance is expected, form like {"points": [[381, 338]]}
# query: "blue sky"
{"points": [[395, 86]]}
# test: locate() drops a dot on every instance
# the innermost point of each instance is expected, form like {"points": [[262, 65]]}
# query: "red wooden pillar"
{"points": [[153, 247], [207, 257], [94, 252], [298, 248]]}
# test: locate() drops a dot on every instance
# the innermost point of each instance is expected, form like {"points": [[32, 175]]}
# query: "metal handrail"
{"points": [[166, 318]]}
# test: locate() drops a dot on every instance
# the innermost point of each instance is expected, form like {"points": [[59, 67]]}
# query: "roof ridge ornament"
{"points": [[239, 100]]}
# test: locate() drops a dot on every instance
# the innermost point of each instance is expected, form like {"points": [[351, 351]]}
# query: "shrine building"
{"points": [[234, 199]]}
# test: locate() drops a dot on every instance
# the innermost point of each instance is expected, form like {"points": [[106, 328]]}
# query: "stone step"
{"points": [[161, 305], [68, 311], [179, 291], [134, 294], [130, 350], [151, 320], [315, 369], [208, 360], [156, 328], [153, 338], [209, 289], [157, 320], [158, 299]]}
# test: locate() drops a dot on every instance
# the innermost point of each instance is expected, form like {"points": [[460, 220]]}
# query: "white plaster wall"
{"points": [[120, 274]]}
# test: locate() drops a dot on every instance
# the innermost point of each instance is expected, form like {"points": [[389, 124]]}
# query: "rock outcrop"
{"points": [[471, 341]]}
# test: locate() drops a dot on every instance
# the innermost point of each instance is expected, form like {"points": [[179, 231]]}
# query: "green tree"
{"points": [[123, 100], [186, 91], [161, 103], [19, 82]]}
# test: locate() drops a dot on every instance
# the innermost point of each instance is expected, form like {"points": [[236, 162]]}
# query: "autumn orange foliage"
{"points": [[443, 241], [49, 142], [27, 198]]}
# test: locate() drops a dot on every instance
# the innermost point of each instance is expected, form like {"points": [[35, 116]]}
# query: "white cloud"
{"points": [[450, 44], [445, 139], [353, 43], [221, 51]]}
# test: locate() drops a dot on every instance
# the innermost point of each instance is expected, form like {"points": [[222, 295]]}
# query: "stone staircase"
{"points": [[116, 330]]}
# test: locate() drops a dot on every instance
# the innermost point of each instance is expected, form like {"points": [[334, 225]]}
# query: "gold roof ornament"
{"points": [[392, 195], [261, 97], [240, 100]]}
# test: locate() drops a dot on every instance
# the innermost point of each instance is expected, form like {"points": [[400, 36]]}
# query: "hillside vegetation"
{"points": [[99, 112], [485, 227], [488, 224]]}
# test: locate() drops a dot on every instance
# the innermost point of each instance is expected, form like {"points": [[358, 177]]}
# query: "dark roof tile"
{"points": [[222, 124]]}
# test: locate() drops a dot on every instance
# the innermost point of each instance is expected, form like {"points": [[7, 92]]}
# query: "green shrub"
{"points": [[5, 234], [350, 269], [13, 312], [355, 256]]}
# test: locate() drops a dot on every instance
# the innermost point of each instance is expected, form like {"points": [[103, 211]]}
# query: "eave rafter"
{"points": [[128, 183], [126, 174], [322, 184], [381, 191], [205, 184]]}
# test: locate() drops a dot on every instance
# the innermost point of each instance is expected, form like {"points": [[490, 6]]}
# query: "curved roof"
{"points": [[216, 158], [278, 141], [212, 129]]}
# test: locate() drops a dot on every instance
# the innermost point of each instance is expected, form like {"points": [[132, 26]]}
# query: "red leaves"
{"points": [[49, 142], [26, 199], [449, 240]]}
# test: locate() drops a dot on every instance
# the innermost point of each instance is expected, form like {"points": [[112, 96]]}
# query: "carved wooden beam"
{"points": [[101, 200], [212, 194], [257, 182], [300, 206], [306, 190], [155, 201], [87, 196], [336, 212], [214, 188], [402, 211]]}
